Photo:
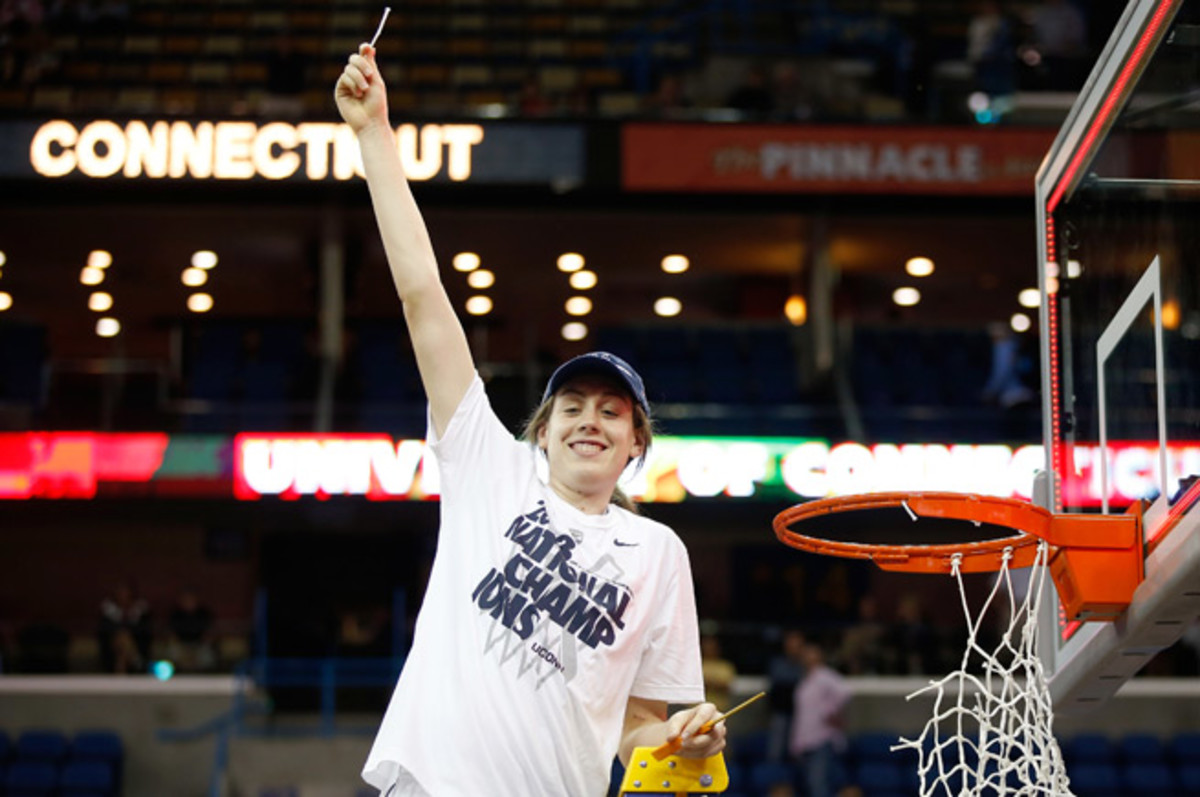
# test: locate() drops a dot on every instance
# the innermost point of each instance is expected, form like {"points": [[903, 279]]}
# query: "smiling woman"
{"points": [[586, 412], [556, 626]]}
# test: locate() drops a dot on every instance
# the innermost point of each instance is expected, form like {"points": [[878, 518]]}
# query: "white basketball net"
{"points": [[990, 732]]}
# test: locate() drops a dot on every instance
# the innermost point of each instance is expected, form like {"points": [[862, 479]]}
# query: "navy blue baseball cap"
{"points": [[599, 362]]}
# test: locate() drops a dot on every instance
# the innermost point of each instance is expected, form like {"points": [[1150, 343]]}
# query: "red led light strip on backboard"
{"points": [[1102, 119], [1083, 153], [1100, 123]]}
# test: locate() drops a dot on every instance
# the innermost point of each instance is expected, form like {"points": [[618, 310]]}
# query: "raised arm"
{"points": [[439, 342]]}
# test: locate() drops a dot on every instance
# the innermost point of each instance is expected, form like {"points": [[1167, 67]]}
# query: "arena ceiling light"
{"points": [[583, 280], [481, 279], [1020, 322], [3, 258], [99, 258], [6, 301], [570, 261], [200, 302], [90, 275], [668, 306], [675, 264], [465, 261], [579, 305], [796, 310], [906, 296], [919, 266], [100, 302], [194, 277], [108, 327], [574, 330], [1030, 297], [204, 258], [479, 305]]}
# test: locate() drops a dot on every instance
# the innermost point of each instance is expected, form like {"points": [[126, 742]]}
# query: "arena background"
{"points": [[798, 155]]}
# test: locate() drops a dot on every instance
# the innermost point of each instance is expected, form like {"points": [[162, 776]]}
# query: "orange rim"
{"points": [[1031, 523]]}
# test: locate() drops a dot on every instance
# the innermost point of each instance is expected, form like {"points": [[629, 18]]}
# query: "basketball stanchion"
{"points": [[991, 728]]}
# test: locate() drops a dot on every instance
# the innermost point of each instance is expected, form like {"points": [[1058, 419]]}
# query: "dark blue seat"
{"points": [[31, 778], [765, 775], [1188, 776], [81, 778], [1088, 748], [872, 747], [42, 746], [1094, 779], [748, 748], [1184, 748], [1150, 780], [880, 778], [1142, 748], [97, 745], [100, 746]]}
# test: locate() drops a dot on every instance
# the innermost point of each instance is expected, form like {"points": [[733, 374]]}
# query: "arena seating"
{"points": [[52, 763]]}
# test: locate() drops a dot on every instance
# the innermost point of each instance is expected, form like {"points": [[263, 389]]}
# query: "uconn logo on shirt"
{"points": [[541, 581]]}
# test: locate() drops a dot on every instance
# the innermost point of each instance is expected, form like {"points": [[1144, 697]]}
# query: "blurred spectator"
{"points": [[361, 632], [753, 98], [834, 597], [795, 93], [1059, 39], [124, 632], [21, 34], [784, 672], [862, 651], [991, 49], [669, 100], [190, 641], [912, 641], [719, 672], [1006, 386], [532, 100], [818, 739]]}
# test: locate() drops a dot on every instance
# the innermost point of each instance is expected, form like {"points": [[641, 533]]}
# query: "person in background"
{"points": [[719, 673], [783, 674], [818, 740], [124, 631], [191, 645], [992, 49]]}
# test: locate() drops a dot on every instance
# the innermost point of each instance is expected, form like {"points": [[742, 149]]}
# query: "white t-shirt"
{"points": [[538, 623]]}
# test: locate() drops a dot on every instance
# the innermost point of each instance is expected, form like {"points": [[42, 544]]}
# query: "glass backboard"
{"points": [[1118, 203]]}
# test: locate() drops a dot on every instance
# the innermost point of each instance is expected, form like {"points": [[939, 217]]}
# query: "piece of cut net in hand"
{"points": [[991, 728]]}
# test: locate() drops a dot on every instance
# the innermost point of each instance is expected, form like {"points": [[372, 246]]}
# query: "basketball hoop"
{"points": [[991, 729], [1097, 561]]}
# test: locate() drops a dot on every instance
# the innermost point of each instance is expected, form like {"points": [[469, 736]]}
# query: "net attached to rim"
{"points": [[991, 728]]}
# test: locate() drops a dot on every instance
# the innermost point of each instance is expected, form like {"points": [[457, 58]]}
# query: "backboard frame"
{"points": [[1087, 663]]}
